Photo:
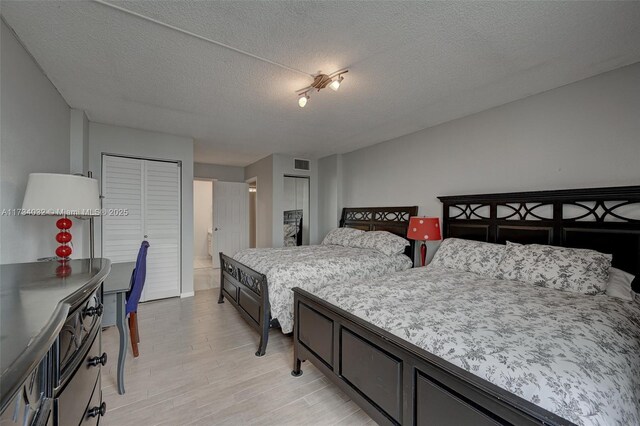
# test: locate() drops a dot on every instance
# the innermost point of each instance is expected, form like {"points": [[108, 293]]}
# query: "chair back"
{"points": [[138, 277]]}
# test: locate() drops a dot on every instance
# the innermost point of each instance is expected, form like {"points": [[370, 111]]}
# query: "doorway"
{"points": [[203, 234]]}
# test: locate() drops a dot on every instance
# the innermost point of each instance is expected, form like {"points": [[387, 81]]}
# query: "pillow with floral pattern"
{"points": [[341, 236], [467, 255], [562, 268], [382, 241]]}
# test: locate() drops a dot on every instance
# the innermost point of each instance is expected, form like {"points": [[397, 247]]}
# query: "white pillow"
{"points": [[619, 285], [341, 236], [468, 255], [562, 268], [382, 241]]}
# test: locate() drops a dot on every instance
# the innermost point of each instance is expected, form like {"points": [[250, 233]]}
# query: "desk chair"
{"points": [[138, 277]]}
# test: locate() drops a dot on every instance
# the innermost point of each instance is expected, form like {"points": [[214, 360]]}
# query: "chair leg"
{"points": [[137, 329], [133, 333]]}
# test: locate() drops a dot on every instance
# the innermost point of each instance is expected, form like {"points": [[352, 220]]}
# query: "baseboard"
{"points": [[187, 294]]}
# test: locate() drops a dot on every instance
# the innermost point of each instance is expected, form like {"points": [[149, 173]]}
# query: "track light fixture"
{"points": [[321, 81]]}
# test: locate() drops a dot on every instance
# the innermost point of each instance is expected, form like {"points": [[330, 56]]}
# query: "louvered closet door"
{"points": [[122, 188], [150, 190], [162, 227]]}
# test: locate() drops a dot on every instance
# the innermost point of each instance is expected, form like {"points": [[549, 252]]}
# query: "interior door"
{"points": [[144, 196], [230, 218]]}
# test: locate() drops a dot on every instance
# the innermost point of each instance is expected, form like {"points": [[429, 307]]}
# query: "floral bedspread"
{"points": [[313, 267], [575, 355]]}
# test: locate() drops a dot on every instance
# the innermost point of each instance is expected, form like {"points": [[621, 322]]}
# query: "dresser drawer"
{"points": [[76, 331], [74, 397], [96, 407]]}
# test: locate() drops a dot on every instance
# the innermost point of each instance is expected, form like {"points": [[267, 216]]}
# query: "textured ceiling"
{"points": [[412, 65]]}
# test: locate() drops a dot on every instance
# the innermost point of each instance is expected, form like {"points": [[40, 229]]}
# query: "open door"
{"points": [[230, 219]]}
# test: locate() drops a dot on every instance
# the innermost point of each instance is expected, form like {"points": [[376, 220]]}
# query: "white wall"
{"points": [[109, 139], [202, 217], [263, 170], [219, 172], [34, 137], [584, 134]]}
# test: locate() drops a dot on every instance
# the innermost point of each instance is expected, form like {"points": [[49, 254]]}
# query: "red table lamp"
{"points": [[424, 229], [51, 194]]}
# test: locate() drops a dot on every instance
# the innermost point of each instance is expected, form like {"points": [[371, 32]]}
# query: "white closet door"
{"points": [[150, 191], [122, 188], [162, 228]]}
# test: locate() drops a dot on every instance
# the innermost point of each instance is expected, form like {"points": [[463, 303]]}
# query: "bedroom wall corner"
{"points": [[34, 137]]}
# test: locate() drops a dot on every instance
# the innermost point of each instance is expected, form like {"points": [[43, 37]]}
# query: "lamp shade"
{"points": [[61, 195], [424, 229]]}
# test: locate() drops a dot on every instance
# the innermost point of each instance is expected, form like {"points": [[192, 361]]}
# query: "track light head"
{"points": [[335, 84], [302, 100]]}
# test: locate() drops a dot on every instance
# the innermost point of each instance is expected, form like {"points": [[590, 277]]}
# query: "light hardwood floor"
{"points": [[197, 366]]}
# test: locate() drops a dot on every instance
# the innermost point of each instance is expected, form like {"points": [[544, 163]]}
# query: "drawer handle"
{"points": [[98, 411], [93, 310], [98, 360]]}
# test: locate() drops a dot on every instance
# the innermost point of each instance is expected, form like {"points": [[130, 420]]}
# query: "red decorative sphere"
{"points": [[64, 223], [64, 251], [63, 237]]}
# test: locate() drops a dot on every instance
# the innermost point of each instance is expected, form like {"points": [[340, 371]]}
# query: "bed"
{"points": [[259, 282], [406, 355]]}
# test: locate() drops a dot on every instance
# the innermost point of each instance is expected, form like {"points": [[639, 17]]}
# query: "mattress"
{"points": [[313, 267], [577, 356]]}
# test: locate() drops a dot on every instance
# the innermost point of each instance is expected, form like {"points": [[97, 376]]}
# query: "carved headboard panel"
{"points": [[602, 219], [390, 219]]}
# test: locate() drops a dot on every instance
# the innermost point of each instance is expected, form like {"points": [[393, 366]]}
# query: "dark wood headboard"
{"points": [[602, 219], [390, 219]]}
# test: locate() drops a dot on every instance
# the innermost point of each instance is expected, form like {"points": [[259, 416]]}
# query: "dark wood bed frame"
{"points": [[396, 382], [248, 291]]}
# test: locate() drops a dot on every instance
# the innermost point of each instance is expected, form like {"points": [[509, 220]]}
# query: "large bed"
{"points": [[439, 346], [259, 282]]}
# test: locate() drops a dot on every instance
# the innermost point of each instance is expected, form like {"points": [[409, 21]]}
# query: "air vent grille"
{"points": [[300, 164]]}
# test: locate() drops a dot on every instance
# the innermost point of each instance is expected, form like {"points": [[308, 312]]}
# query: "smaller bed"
{"points": [[259, 282]]}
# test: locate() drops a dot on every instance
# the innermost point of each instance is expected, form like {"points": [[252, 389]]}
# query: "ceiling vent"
{"points": [[299, 164]]}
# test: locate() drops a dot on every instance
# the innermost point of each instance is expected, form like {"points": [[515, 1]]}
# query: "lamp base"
{"points": [[423, 253], [64, 250]]}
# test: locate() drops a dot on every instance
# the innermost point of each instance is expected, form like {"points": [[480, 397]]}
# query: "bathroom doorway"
{"points": [[202, 230]]}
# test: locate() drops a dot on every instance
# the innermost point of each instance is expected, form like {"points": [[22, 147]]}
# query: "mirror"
{"points": [[296, 211]]}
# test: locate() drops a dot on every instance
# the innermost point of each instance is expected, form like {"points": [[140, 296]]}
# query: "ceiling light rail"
{"points": [[321, 81], [199, 37]]}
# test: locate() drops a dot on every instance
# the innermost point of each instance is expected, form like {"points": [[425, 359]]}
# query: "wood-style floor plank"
{"points": [[197, 367]]}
